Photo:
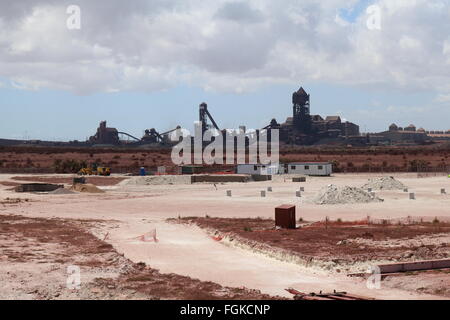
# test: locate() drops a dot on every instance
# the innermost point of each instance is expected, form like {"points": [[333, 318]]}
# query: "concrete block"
{"points": [[217, 178], [405, 190], [161, 170], [228, 193], [412, 196], [414, 266], [302, 189], [261, 177], [263, 193], [369, 190], [298, 194], [443, 191], [269, 189]]}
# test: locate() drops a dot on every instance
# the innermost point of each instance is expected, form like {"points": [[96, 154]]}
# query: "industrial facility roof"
{"points": [[301, 91], [333, 118]]}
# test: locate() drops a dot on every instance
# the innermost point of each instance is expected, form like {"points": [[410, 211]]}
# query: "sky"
{"points": [[149, 64]]}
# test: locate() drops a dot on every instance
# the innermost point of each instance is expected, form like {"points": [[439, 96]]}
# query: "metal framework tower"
{"points": [[203, 118], [301, 111]]}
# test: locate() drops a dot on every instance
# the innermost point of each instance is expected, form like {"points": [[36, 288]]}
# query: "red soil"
{"points": [[368, 159], [321, 240]]}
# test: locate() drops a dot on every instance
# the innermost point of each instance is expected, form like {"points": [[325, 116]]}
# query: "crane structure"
{"points": [[153, 136], [204, 115]]}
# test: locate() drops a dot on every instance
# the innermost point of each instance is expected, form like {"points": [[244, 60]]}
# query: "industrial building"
{"points": [[310, 168], [300, 129], [105, 135], [306, 129], [258, 169], [111, 136], [439, 135], [399, 135]]}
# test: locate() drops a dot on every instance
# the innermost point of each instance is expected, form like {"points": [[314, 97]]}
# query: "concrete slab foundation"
{"points": [[38, 187], [414, 266]]}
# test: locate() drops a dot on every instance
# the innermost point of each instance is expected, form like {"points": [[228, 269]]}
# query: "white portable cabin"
{"points": [[260, 169], [311, 168]]}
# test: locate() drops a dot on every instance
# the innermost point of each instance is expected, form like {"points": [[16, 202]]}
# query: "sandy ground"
{"points": [[189, 251], [38, 257]]}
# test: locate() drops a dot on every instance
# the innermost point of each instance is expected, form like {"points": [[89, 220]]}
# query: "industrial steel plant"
{"points": [[302, 129]]}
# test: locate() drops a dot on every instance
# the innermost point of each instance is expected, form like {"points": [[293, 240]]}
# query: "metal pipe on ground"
{"points": [[335, 295]]}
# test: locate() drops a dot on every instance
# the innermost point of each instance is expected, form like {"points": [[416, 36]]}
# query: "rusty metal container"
{"points": [[285, 217]]}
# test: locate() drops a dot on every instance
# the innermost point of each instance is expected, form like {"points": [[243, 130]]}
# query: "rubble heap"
{"points": [[333, 194]]}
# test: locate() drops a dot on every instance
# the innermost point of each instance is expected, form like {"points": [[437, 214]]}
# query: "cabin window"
{"points": [[320, 167], [292, 167], [306, 167], [255, 168]]}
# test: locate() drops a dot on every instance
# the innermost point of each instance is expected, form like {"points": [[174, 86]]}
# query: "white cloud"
{"points": [[442, 98], [405, 109], [223, 45]]}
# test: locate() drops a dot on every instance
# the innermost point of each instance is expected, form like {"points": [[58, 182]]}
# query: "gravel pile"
{"points": [[384, 183], [86, 188], [342, 195], [62, 191], [156, 180]]}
